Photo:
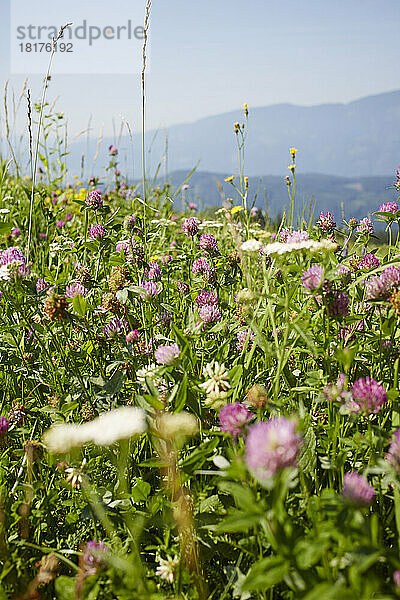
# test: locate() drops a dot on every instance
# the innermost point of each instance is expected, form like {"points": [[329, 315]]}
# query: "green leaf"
{"points": [[244, 497], [308, 458], [327, 591], [140, 490], [79, 303], [65, 587], [238, 521], [308, 552], [266, 573]]}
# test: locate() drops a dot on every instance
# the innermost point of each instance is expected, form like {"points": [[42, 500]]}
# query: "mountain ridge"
{"points": [[359, 138]]}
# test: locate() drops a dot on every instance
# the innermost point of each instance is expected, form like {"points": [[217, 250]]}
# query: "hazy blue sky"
{"points": [[210, 56]]}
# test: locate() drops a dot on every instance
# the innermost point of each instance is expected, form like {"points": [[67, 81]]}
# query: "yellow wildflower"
{"points": [[236, 209]]}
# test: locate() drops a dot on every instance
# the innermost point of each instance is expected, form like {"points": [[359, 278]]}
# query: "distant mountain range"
{"points": [[344, 196], [361, 138]]}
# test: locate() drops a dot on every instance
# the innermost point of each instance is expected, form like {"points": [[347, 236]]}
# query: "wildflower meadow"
{"points": [[195, 405]]}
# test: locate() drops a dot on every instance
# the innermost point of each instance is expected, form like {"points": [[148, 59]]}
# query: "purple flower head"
{"points": [[11, 254], [205, 297], [326, 223], [271, 446], [393, 455], [357, 490], [344, 274], [93, 557], [15, 232], [183, 287], [4, 425], [167, 259], [365, 226], [117, 172], [68, 217], [42, 236], [82, 273], [165, 319], [379, 287], [167, 355], [233, 418], [209, 314], [313, 278], [389, 207], [293, 237], [387, 345], [254, 212], [135, 254], [369, 262], [132, 336], [123, 246], [41, 285], [75, 289], [94, 200], [190, 226], [112, 150], [245, 340], [368, 395], [210, 275], [192, 206], [150, 290], [129, 222], [154, 271], [60, 224], [97, 232], [396, 574], [338, 305], [209, 243], [115, 327], [201, 265], [397, 181]]}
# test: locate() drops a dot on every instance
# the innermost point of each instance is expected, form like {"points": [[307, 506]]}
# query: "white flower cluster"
{"points": [[216, 224], [251, 246], [311, 246], [151, 372], [60, 245], [119, 424], [167, 568], [217, 385]]}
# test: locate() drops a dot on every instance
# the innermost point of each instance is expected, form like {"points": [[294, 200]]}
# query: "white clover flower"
{"points": [[150, 372], [167, 568], [4, 273], [182, 424], [311, 246], [244, 296], [109, 427], [75, 475], [217, 385], [251, 246]]}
